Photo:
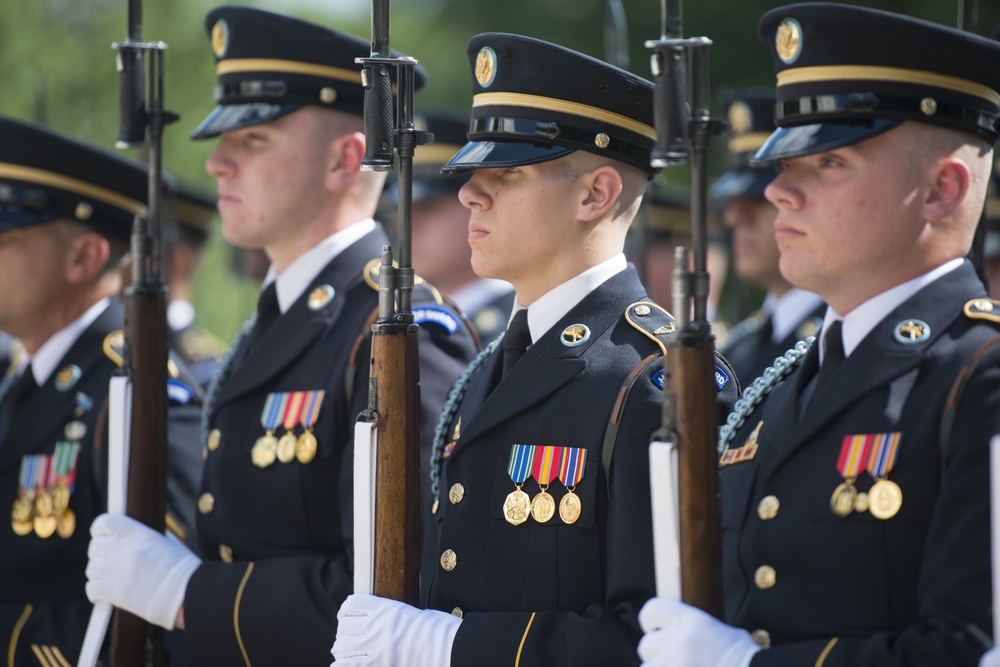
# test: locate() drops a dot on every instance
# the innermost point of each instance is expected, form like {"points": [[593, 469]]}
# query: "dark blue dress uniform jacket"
{"points": [[859, 591], [288, 527], [554, 594], [43, 607]]}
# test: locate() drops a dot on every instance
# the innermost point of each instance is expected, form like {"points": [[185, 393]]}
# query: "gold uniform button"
{"points": [[457, 611], [456, 493], [765, 577], [768, 507], [449, 560], [226, 553], [762, 638], [206, 503], [214, 439]]}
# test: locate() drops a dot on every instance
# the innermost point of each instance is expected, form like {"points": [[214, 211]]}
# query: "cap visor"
{"points": [[789, 142], [742, 183], [492, 154], [234, 116]]}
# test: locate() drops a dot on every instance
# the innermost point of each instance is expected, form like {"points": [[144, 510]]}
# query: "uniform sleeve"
{"points": [[954, 585], [606, 633]]}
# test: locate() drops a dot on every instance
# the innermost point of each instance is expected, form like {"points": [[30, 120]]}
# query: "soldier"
{"points": [[66, 212], [275, 516], [441, 252], [544, 553], [855, 501], [788, 314]]}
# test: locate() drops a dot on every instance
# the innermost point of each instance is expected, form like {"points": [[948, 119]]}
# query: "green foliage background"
{"points": [[58, 69]]}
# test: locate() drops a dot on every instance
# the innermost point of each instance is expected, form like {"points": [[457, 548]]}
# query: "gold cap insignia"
{"points": [[912, 331], [320, 296], [602, 140], [327, 95], [928, 106], [83, 211], [486, 66], [740, 117], [574, 335], [67, 377], [220, 38], [788, 41]]}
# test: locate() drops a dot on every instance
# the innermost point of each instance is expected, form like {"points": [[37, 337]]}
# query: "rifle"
{"points": [[133, 640], [393, 440], [690, 420]]}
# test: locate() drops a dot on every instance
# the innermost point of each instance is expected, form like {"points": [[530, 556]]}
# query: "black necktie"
{"points": [[267, 312], [833, 353], [516, 340]]}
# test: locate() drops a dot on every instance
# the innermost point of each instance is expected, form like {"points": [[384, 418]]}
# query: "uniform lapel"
{"points": [[879, 359], [48, 408], [292, 334]]}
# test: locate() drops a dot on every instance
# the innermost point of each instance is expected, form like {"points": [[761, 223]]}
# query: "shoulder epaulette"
{"points": [[651, 320], [983, 309], [370, 274]]}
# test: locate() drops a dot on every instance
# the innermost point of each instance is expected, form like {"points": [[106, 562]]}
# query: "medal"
{"points": [[265, 450], [23, 510], [45, 526], [66, 524], [885, 497], [292, 404], [305, 450], [853, 457], [544, 468], [517, 506], [574, 460], [861, 502], [22, 528]]}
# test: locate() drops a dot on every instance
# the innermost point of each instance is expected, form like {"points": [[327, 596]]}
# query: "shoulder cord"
{"points": [[449, 410], [760, 388], [225, 367]]}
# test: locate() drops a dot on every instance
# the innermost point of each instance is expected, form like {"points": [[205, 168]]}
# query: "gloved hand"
{"points": [[679, 635], [991, 658], [138, 569], [377, 632]]}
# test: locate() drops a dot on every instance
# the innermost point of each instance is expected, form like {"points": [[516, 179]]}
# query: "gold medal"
{"points": [[264, 451], [543, 507], [569, 507], [286, 447], [884, 499], [60, 498], [22, 528], [842, 500], [516, 507], [23, 510], [43, 504], [45, 526], [66, 524], [305, 449]]}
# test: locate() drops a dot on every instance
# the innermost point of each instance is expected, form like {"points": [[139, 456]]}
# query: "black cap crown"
{"points": [[750, 113], [45, 176], [269, 65], [534, 101], [847, 73]]}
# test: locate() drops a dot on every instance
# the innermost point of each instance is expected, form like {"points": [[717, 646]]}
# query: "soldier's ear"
{"points": [[86, 257], [949, 182], [344, 164], [604, 186]]}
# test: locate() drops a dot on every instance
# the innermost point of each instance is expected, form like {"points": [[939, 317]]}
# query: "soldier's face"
{"points": [[848, 220], [522, 229], [270, 180], [33, 265], [754, 248]]}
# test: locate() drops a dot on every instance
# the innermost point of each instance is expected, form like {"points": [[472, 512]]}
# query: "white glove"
{"points": [[138, 569], [679, 635], [377, 632], [991, 658]]}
